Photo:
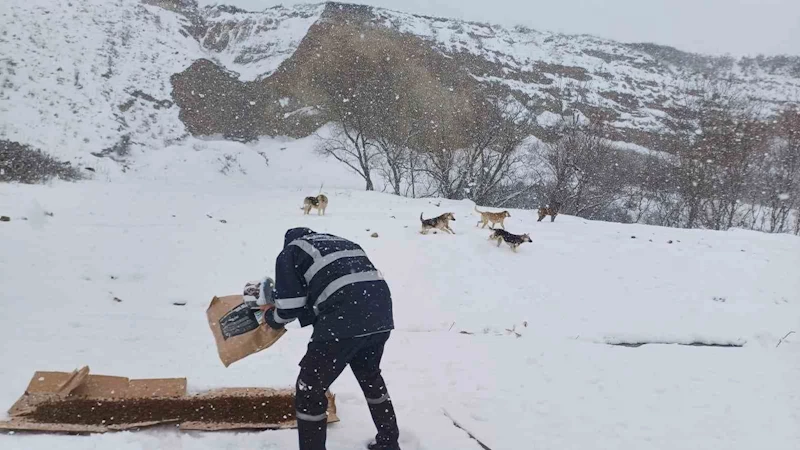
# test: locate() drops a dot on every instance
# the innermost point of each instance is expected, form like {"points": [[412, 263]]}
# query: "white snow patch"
{"points": [[548, 119]]}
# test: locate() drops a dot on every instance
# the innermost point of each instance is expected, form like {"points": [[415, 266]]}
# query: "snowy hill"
{"points": [[94, 77], [459, 300], [79, 76]]}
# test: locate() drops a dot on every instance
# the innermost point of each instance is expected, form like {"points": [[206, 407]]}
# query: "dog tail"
{"points": [[477, 210], [420, 217]]}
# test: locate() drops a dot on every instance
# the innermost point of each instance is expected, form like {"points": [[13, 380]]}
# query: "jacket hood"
{"points": [[295, 233]]}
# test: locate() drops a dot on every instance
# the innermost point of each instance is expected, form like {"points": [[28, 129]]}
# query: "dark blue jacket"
{"points": [[329, 282]]}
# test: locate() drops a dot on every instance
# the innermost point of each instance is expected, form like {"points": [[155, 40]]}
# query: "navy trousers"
{"points": [[321, 366]]}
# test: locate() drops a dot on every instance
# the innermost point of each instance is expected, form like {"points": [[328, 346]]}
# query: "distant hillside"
{"points": [[108, 78]]}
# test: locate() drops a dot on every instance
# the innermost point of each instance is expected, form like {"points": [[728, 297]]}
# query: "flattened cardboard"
{"points": [[48, 386], [23, 424], [56, 382], [235, 348], [54, 386], [80, 383], [19, 424]]}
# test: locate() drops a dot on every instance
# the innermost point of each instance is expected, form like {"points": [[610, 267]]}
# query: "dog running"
{"points": [[319, 202], [439, 223], [493, 217], [513, 240], [551, 211]]}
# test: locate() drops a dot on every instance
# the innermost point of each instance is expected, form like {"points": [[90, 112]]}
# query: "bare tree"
{"points": [[402, 122], [780, 173], [352, 140], [733, 144], [718, 144], [383, 98], [797, 222], [356, 92], [583, 172], [477, 162], [353, 148], [497, 154]]}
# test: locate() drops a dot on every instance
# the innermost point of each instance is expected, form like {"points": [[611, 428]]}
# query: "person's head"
{"points": [[295, 233]]}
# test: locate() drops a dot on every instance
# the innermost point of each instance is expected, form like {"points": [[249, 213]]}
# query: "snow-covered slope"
{"points": [[556, 71], [78, 76], [157, 239], [254, 44]]}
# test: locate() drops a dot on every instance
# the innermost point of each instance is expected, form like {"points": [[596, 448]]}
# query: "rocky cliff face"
{"points": [[84, 78]]}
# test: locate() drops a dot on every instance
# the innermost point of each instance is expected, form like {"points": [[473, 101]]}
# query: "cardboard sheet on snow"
{"points": [[78, 402], [237, 331]]}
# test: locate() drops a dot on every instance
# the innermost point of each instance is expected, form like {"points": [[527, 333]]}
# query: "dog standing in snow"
{"points": [[319, 202], [549, 210]]}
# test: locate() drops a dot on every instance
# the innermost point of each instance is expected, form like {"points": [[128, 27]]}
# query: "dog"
{"points": [[319, 202], [551, 211], [493, 217], [513, 240], [441, 223]]}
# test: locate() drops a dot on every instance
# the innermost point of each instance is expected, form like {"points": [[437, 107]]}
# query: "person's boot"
{"points": [[312, 435], [386, 422]]}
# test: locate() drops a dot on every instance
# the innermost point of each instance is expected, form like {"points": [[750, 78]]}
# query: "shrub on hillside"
{"points": [[23, 164]]}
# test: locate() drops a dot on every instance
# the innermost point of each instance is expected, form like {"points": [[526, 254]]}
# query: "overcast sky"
{"points": [[738, 27]]}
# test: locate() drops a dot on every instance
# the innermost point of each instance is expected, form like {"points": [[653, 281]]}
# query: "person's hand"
{"points": [[266, 308]]}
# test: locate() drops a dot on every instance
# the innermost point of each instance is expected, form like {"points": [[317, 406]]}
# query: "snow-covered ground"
{"points": [[146, 238]]}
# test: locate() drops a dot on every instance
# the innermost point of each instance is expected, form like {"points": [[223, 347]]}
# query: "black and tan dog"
{"points": [[513, 240], [439, 223], [551, 211], [493, 217], [319, 202]]}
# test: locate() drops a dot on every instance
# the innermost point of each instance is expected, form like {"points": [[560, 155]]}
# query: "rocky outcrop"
{"points": [[637, 88]]}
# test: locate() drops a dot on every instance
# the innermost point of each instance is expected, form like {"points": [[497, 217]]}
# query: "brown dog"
{"points": [[440, 223], [319, 202], [551, 211], [513, 240], [493, 217]]}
